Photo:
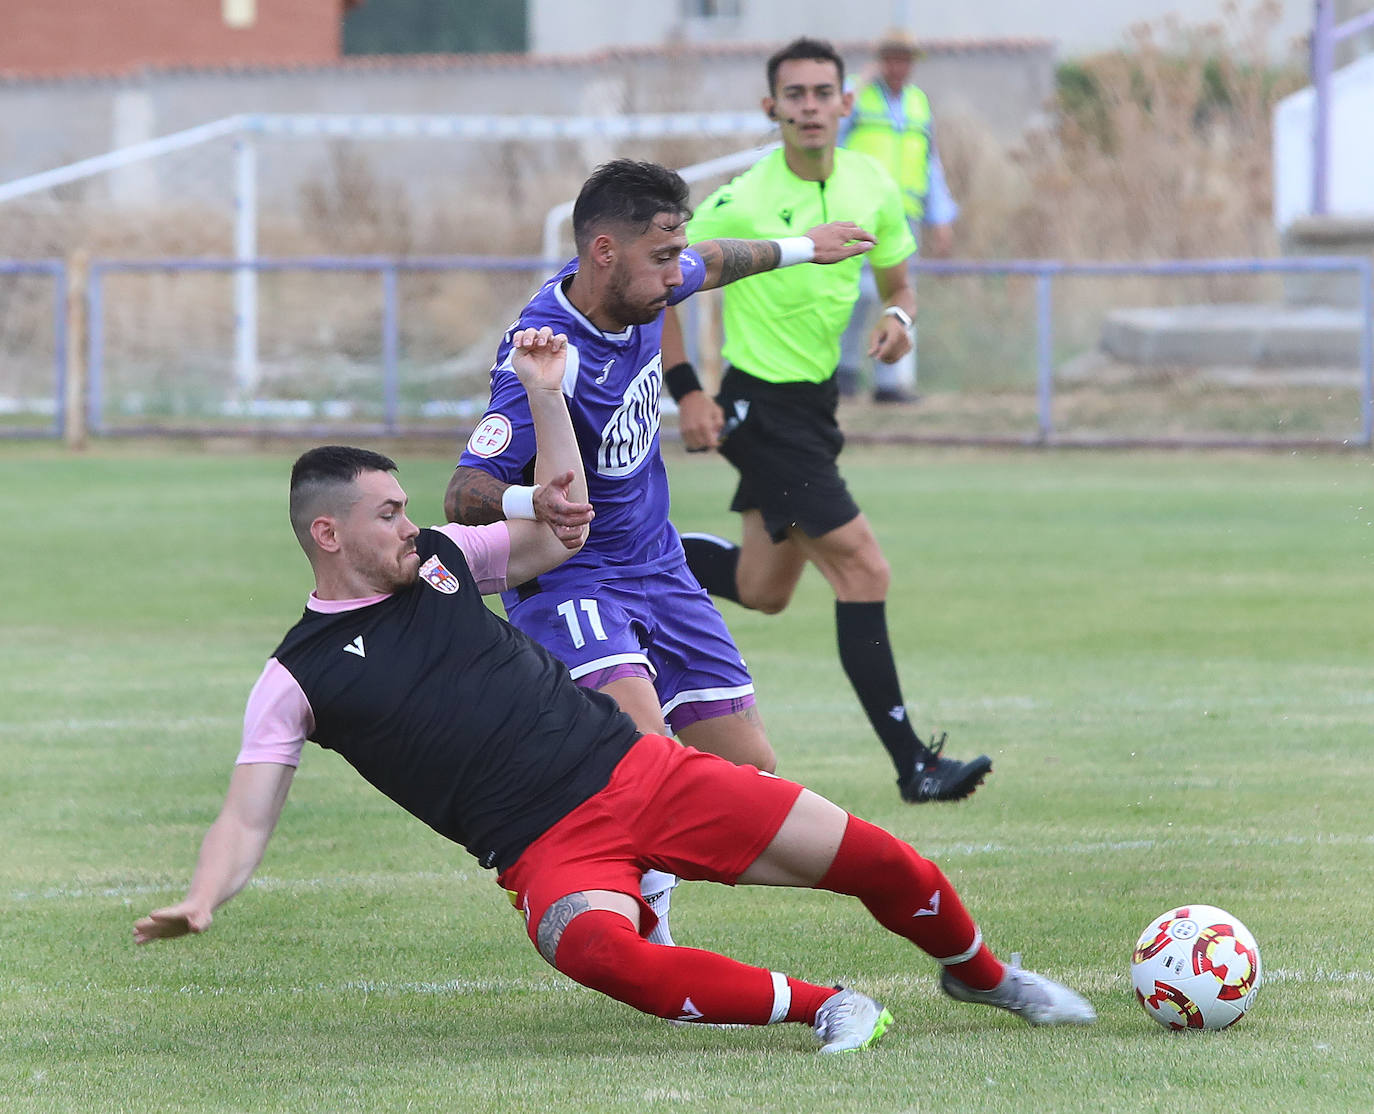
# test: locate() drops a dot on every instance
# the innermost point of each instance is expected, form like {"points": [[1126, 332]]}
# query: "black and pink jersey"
{"points": [[459, 718]]}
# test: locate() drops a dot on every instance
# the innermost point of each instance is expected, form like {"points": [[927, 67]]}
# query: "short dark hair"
{"points": [[628, 193], [322, 474], [803, 49]]}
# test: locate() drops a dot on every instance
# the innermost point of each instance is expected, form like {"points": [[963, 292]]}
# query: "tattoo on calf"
{"points": [[556, 918]]}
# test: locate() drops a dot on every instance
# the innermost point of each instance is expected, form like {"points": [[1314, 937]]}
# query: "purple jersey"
{"points": [[612, 385]]}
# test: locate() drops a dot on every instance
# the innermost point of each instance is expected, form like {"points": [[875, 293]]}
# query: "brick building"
{"points": [[112, 37]]}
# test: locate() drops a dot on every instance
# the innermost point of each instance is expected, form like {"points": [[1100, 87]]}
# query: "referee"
{"points": [[774, 419]]}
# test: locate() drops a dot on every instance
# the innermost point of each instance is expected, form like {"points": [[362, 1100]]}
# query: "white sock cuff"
{"points": [[964, 957], [782, 998], [659, 884]]}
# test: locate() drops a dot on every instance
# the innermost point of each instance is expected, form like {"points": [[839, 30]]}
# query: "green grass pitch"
{"points": [[1168, 657]]}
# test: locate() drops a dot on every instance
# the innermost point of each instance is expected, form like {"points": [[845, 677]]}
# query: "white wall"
{"points": [[1350, 169], [1084, 27], [1078, 26]]}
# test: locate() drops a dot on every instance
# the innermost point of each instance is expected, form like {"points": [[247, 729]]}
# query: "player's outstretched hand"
{"points": [[175, 920], [840, 239], [539, 357], [564, 517]]}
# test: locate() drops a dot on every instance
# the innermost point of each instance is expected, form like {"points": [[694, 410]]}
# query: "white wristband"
{"points": [[903, 318], [518, 502], [795, 249]]}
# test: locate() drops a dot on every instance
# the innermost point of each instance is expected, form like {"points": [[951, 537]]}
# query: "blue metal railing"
{"points": [[1045, 271], [389, 269]]}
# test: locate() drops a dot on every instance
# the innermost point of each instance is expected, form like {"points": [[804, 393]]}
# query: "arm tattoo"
{"points": [[556, 918], [474, 497], [728, 260]]}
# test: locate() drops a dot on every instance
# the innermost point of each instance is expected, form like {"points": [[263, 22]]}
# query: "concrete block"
{"points": [[1347, 236], [1233, 336]]}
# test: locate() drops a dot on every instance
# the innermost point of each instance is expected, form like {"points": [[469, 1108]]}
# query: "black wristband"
{"points": [[681, 380]]}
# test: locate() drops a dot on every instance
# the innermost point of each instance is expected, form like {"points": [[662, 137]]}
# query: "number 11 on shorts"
{"points": [[568, 609]]}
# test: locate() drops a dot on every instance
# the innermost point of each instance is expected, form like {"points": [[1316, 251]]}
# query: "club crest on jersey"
{"points": [[438, 577], [491, 437]]}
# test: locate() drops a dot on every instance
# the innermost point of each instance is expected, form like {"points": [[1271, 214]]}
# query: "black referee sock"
{"points": [[866, 656], [713, 562]]}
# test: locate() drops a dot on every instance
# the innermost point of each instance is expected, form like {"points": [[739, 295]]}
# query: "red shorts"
{"points": [[666, 807]]}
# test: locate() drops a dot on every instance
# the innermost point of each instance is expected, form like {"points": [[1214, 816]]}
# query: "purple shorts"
{"points": [[664, 623]]}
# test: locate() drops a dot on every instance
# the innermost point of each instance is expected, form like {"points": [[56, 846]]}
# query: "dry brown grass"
{"points": [[1159, 151]]}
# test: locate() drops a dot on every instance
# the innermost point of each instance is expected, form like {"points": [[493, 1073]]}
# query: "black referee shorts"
{"points": [[784, 443]]}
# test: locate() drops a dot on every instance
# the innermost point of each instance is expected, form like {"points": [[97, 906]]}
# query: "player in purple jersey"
{"points": [[625, 614]]}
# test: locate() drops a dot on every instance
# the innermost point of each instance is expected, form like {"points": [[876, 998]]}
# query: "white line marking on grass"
{"points": [[381, 882], [1316, 975], [455, 986], [896, 982], [375, 882], [938, 850], [121, 723], [366, 987], [81, 893]]}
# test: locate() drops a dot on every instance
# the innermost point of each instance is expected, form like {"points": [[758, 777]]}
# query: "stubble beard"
{"points": [[389, 578], [619, 306]]}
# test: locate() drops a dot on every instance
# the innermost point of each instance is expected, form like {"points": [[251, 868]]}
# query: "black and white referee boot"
{"points": [[937, 778]]}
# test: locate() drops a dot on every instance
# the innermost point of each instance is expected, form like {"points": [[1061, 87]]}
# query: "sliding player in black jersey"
{"points": [[477, 730]]}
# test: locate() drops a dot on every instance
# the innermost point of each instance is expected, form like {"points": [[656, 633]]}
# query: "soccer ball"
{"points": [[1196, 967]]}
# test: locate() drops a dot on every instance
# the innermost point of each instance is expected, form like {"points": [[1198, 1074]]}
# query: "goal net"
{"points": [[185, 334]]}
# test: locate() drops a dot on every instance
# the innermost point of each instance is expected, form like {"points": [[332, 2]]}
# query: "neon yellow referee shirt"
{"points": [[785, 325]]}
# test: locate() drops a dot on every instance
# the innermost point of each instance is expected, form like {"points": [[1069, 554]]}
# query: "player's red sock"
{"points": [[602, 950], [912, 897]]}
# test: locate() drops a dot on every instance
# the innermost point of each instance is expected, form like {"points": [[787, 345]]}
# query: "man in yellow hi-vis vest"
{"points": [[891, 122]]}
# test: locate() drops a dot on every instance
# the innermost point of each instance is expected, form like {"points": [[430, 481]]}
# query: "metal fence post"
{"points": [[1323, 45], [1044, 350], [390, 342], [246, 251], [69, 319], [95, 347], [1366, 270]]}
